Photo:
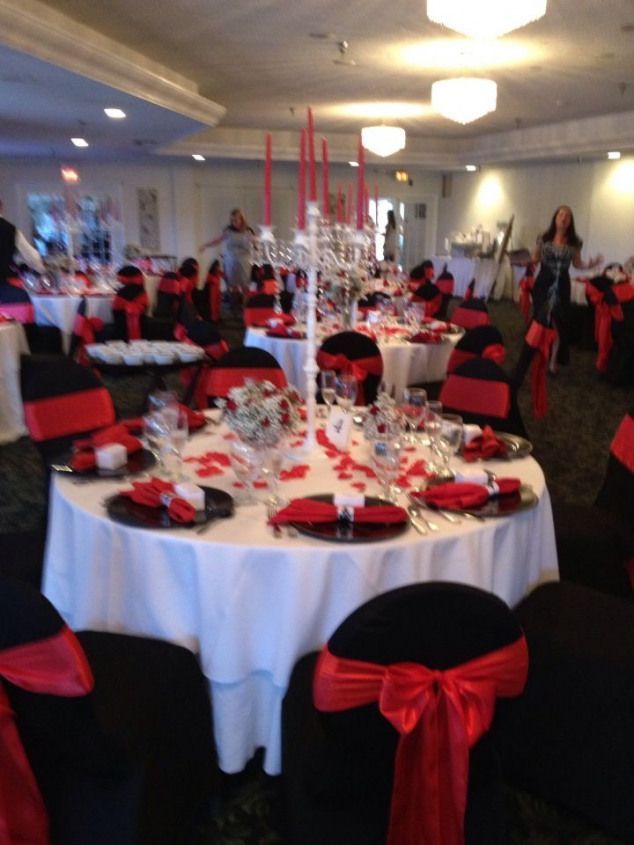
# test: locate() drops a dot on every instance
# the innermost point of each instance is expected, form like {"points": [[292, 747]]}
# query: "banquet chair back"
{"points": [[259, 308], [569, 739], [445, 282], [16, 304], [481, 392], [471, 313], [205, 335], [116, 729], [85, 330], [237, 366], [130, 304], [617, 491], [342, 759], [168, 296], [430, 297], [356, 353], [62, 400], [620, 356], [481, 342]]}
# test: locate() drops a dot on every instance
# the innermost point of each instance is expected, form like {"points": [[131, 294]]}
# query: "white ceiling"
{"points": [[259, 61]]}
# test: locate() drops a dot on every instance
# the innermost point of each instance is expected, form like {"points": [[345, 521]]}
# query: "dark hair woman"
{"points": [[558, 248]]}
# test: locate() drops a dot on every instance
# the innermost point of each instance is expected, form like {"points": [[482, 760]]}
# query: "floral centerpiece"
{"points": [[260, 413], [382, 419]]}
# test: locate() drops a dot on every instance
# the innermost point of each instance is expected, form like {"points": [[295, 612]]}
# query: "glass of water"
{"points": [[346, 391], [327, 382]]}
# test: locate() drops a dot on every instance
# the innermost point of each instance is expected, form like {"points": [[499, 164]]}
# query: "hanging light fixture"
{"points": [[465, 98], [485, 18], [383, 140]]}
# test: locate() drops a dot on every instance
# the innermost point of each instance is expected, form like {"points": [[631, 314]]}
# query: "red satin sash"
{"points": [[457, 357], [493, 352], [85, 327], [540, 338], [527, 283], [622, 446], [136, 279], [56, 666], [470, 318], [476, 396], [172, 286], [133, 311], [604, 313], [214, 296], [221, 380], [21, 311], [439, 714], [360, 368], [71, 413]]}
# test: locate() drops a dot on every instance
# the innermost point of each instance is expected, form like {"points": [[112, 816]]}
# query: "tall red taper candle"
{"points": [[267, 181], [339, 204], [301, 185], [325, 177], [349, 209], [361, 187], [376, 203], [312, 171]]}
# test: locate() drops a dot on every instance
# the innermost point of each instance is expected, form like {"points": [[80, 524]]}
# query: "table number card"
{"points": [[339, 428]]}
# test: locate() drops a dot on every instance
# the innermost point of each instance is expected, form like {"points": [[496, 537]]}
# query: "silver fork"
{"points": [[416, 511], [277, 529]]}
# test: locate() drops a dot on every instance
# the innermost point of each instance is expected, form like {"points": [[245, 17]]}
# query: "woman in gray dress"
{"points": [[237, 241]]}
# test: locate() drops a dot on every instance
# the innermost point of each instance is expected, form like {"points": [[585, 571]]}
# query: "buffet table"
{"points": [[250, 603], [13, 343], [404, 363], [60, 310]]}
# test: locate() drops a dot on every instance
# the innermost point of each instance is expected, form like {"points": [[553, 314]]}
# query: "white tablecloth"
{"points": [[483, 270], [60, 311], [13, 343], [249, 604], [403, 363]]}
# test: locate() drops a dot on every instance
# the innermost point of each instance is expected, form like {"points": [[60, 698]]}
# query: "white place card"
{"points": [[339, 428]]}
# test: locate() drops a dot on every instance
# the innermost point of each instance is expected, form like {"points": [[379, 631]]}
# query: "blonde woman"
{"points": [[237, 242]]}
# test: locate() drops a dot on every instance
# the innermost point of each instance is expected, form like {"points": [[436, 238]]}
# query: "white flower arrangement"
{"points": [[260, 413], [382, 419]]}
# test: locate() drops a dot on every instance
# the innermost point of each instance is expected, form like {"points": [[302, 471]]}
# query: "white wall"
{"points": [[601, 195], [195, 200]]}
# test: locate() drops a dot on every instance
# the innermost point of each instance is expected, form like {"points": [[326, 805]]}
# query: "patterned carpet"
{"points": [[571, 444]]}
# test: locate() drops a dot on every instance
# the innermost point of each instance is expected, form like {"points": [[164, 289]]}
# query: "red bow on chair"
{"points": [[133, 310], [56, 666], [360, 368], [540, 338], [440, 715], [607, 307]]}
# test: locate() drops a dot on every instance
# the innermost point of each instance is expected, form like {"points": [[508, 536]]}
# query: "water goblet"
{"points": [[271, 469], [156, 436], [346, 391], [386, 462], [178, 427], [246, 462], [413, 410], [433, 425]]}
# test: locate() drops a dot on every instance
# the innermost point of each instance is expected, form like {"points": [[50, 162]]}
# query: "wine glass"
{"points": [[246, 462], [346, 391], [327, 382], [450, 438], [271, 469], [433, 426], [155, 435], [413, 409], [386, 462], [178, 427]]}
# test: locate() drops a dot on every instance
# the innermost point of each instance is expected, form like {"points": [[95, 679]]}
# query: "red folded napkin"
{"points": [[307, 510], [462, 495], [84, 450], [157, 493], [426, 337], [485, 445]]}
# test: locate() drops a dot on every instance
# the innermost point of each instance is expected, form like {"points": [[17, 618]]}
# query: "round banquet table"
{"points": [[13, 343], [251, 604], [404, 363], [60, 310]]}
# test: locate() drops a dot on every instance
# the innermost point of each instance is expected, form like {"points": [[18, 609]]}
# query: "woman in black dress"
{"points": [[556, 250]]}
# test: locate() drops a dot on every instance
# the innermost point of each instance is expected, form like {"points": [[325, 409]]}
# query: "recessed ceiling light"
{"points": [[471, 168], [353, 163], [115, 114], [614, 155], [198, 157], [79, 142]]}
